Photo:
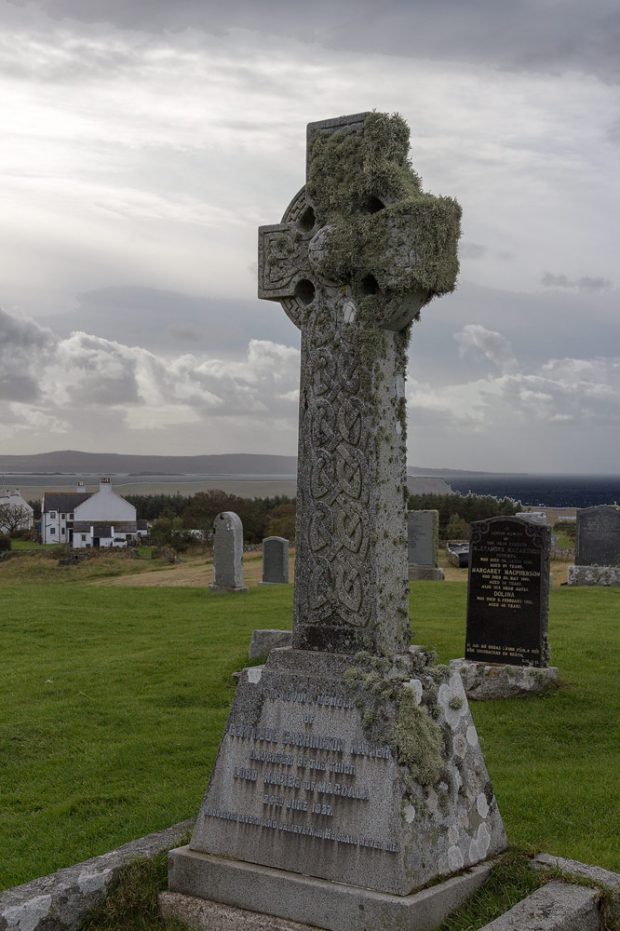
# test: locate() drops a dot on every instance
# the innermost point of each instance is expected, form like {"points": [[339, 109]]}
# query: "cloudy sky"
{"points": [[143, 141]]}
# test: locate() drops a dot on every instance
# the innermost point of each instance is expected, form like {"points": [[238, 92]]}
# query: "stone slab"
{"points": [[555, 907], [322, 904], [61, 901], [598, 536], [264, 641], [605, 879], [491, 681], [425, 574], [205, 915], [594, 575], [422, 537]]}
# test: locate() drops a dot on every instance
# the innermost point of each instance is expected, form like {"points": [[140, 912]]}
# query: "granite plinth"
{"points": [[299, 785], [594, 575], [425, 574], [311, 901], [491, 681]]}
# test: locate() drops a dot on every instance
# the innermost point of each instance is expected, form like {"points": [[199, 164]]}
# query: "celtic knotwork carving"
{"points": [[323, 425], [351, 528], [321, 533], [349, 586], [350, 470], [322, 475], [322, 589], [350, 420], [322, 370]]}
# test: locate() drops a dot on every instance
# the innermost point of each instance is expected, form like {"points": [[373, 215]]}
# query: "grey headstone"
{"points": [[423, 537], [275, 561], [227, 553], [598, 536], [349, 758], [508, 592]]}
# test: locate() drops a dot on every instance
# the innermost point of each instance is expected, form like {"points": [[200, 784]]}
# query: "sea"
{"points": [[572, 491], [544, 490]]}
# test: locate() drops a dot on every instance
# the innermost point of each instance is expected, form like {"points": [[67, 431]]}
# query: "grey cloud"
{"points": [[472, 250], [525, 35], [585, 283], [23, 345], [491, 344]]}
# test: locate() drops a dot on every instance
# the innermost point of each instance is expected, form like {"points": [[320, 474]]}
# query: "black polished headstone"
{"points": [[598, 536], [508, 592]]}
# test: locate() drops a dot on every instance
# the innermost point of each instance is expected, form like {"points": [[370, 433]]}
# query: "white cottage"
{"points": [[86, 520], [15, 512]]}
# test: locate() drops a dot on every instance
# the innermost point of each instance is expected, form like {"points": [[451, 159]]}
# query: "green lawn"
{"points": [[113, 702]]}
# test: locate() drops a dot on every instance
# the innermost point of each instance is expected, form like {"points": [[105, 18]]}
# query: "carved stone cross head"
{"points": [[359, 251], [361, 227]]}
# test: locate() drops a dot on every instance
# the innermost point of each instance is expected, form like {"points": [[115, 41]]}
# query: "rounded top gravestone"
{"points": [[227, 552]]}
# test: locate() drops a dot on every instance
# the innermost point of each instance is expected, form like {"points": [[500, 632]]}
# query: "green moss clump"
{"points": [[363, 187], [418, 740]]}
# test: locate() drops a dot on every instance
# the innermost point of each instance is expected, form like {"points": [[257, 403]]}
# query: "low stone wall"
{"points": [[61, 901]]}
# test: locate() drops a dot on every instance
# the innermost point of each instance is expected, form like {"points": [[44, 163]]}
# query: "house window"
{"points": [[52, 530], [70, 516], [83, 538], [62, 531], [52, 514], [62, 516]]}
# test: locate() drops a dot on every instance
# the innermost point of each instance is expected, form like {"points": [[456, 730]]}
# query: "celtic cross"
{"points": [[359, 251]]}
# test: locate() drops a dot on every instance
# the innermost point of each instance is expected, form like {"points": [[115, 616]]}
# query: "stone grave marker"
{"points": [[423, 544], [508, 592], [350, 773], [597, 550], [227, 553], [275, 561]]}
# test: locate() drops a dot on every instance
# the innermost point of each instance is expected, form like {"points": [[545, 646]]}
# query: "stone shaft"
{"points": [[358, 252]]}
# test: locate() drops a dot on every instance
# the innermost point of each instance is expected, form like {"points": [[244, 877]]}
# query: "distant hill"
{"points": [[70, 461]]}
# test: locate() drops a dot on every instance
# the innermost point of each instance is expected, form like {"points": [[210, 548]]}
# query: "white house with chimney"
{"points": [[86, 520], [15, 512]]}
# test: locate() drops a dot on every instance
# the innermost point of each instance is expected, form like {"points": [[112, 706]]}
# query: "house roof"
{"points": [[63, 500]]}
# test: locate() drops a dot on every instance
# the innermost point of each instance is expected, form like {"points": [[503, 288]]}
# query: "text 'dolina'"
{"points": [[306, 830]]}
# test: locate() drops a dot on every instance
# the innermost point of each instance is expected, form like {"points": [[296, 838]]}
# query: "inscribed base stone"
{"points": [[302, 784]]}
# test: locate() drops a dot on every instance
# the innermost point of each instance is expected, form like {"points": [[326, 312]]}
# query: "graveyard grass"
{"points": [[114, 701]]}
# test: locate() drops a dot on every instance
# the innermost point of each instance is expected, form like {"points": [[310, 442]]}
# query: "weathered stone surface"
{"points": [[491, 681], [275, 561], [422, 538], [425, 574], [508, 592], [300, 784], [537, 517], [358, 252], [598, 536], [61, 901], [332, 906], [205, 915], [349, 758], [594, 575], [227, 553], [604, 879], [555, 907], [263, 642]]}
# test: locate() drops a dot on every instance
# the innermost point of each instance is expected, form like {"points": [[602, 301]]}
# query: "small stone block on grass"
{"points": [[491, 681], [555, 907], [263, 642]]}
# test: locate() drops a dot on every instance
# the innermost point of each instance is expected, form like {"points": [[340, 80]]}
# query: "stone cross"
{"points": [[359, 251]]}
